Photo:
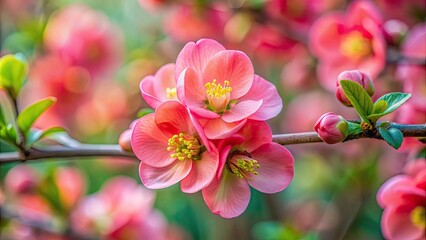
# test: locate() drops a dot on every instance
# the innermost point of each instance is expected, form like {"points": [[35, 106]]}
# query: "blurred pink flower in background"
{"points": [[160, 87], [249, 158], [299, 15], [413, 76], [122, 209], [152, 5], [408, 11], [86, 38], [173, 148], [220, 88], [403, 199], [21, 179], [189, 22], [71, 185], [348, 40]]}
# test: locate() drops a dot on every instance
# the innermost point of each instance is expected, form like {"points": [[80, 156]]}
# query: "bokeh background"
{"points": [[91, 55]]}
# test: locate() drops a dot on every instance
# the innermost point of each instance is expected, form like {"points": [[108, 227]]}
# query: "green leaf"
{"points": [[359, 98], [144, 111], [393, 136], [30, 114], [2, 117], [393, 101], [36, 135], [13, 71]]}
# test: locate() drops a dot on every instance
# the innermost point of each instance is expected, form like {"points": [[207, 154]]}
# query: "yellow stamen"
{"points": [[418, 217], [244, 167], [356, 46], [171, 93], [184, 147], [218, 96]]}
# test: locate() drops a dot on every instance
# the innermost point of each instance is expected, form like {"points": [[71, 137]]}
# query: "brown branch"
{"points": [[104, 150]]}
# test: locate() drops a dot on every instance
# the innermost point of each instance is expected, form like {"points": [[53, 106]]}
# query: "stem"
{"points": [[104, 150], [21, 137]]}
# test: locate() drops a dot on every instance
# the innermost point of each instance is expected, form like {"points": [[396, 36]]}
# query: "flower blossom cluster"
{"points": [[208, 131]]}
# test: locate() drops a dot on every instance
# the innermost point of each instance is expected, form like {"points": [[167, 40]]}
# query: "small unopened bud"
{"points": [[332, 128], [359, 77], [125, 138], [21, 179]]}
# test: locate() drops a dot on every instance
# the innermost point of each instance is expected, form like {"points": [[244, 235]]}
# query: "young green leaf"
{"points": [[393, 136], [359, 98], [13, 71], [36, 135], [30, 114], [394, 100]]}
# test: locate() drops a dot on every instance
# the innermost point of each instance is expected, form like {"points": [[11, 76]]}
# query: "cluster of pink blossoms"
{"points": [[208, 131]]}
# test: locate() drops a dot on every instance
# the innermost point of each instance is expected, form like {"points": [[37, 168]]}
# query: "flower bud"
{"points": [[125, 138], [332, 128], [359, 77], [21, 179]]}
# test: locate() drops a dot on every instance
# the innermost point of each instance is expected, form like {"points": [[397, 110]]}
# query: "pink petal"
{"points": [[190, 89], [203, 113], [162, 177], [276, 168], [227, 197], [196, 55], [266, 91], [164, 78], [173, 117], [149, 143], [392, 189], [147, 90], [325, 35], [218, 129], [397, 225], [255, 133], [202, 173], [233, 66], [241, 110]]}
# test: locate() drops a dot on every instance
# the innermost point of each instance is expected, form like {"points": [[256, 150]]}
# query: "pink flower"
{"points": [[122, 209], [161, 87], [359, 77], [21, 179], [71, 185], [249, 158], [332, 128], [86, 38], [351, 40], [199, 21], [219, 86], [403, 199], [172, 147], [413, 76]]}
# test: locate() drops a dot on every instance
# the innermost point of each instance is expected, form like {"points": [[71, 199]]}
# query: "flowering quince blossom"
{"points": [[352, 40], [220, 88], [172, 147], [359, 77], [403, 198], [160, 87], [248, 158], [332, 128], [122, 209]]}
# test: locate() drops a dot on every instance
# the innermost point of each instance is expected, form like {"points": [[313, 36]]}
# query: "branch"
{"points": [[104, 150]]}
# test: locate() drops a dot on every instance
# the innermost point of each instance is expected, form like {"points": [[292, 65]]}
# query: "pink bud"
{"points": [[359, 77], [332, 128], [125, 138], [21, 179]]}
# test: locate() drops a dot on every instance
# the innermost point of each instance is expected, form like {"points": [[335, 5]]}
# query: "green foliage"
{"points": [[144, 111], [359, 98], [35, 135], [393, 101], [30, 114], [13, 71], [393, 136]]}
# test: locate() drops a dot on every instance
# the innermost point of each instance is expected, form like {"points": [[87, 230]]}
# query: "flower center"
{"points": [[218, 96], [243, 166], [171, 93], [418, 217], [354, 45], [184, 147]]}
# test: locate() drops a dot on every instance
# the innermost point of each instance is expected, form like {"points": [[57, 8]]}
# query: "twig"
{"points": [[104, 150]]}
